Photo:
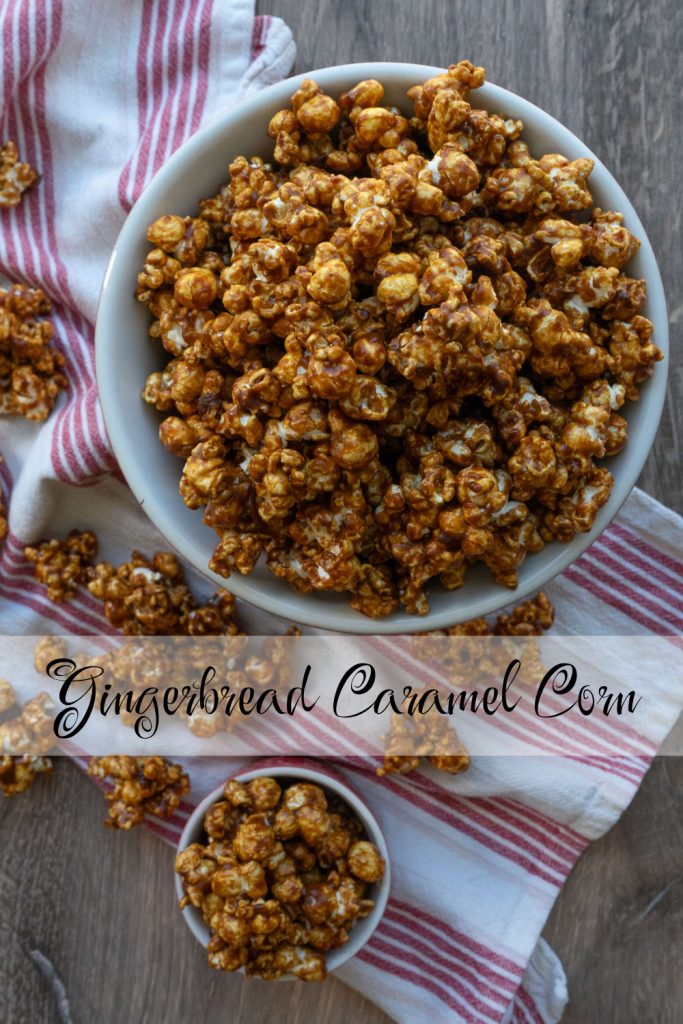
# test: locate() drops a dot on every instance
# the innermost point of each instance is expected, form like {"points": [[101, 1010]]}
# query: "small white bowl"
{"points": [[125, 356], [360, 932]]}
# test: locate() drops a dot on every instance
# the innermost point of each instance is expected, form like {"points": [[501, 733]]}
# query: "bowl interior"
{"points": [[362, 929], [125, 356]]}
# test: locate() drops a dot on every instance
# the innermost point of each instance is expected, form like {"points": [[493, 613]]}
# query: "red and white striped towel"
{"points": [[97, 95]]}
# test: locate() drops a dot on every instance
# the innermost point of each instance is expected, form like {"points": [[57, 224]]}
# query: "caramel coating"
{"points": [[365, 862], [31, 367], [25, 739], [142, 785], [15, 177], [149, 597], [384, 346], [47, 649], [7, 696], [61, 565]]}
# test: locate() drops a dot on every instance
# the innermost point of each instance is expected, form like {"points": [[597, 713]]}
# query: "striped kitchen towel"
{"points": [[97, 95], [478, 859]]}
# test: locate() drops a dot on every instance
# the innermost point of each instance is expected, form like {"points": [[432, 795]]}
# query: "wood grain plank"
{"points": [[100, 906], [618, 922]]}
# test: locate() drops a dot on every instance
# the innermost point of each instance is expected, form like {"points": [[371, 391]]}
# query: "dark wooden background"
{"points": [[96, 907]]}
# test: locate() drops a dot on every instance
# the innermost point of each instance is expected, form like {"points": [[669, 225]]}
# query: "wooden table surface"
{"points": [[97, 907]]}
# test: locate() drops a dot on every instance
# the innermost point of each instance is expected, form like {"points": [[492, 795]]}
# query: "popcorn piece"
{"points": [[142, 785], [253, 840], [429, 736], [31, 374], [15, 177], [611, 244], [302, 133], [364, 861], [25, 739], [632, 353], [36, 723], [7, 696], [530, 618], [184, 238], [264, 793], [150, 598], [61, 565], [195, 288], [48, 649], [18, 773]]}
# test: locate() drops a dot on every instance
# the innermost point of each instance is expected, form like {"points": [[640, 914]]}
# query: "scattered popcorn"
{"points": [[18, 773], [15, 177], [25, 739], [141, 597], [432, 736], [48, 649], [61, 564], [530, 618], [150, 598], [142, 785], [31, 368]]}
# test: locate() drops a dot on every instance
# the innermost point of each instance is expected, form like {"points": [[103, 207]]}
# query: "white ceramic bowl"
{"points": [[361, 931], [125, 356]]}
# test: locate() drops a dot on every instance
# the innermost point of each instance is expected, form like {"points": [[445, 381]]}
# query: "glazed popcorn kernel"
{"points": [[19, 772], [15, 177], [60, 565], [398, 349], [48, 649], [25, 739], [31, 369], [144, 597], [431, 738], [142, 785], [7, 696], [140, 597], [530, 618], [281, 878]]}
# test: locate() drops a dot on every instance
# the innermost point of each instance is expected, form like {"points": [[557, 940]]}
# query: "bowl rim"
{"points": [[315, 613], [362, 931]]}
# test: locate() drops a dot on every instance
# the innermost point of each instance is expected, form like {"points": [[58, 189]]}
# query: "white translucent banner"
{"points": [[431, 696]]}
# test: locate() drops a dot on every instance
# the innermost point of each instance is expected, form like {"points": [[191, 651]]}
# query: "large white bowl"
{"points": [[125, 356]]}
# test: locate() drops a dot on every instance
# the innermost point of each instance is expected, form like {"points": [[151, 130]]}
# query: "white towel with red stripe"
{"points": [[97, 95]]}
